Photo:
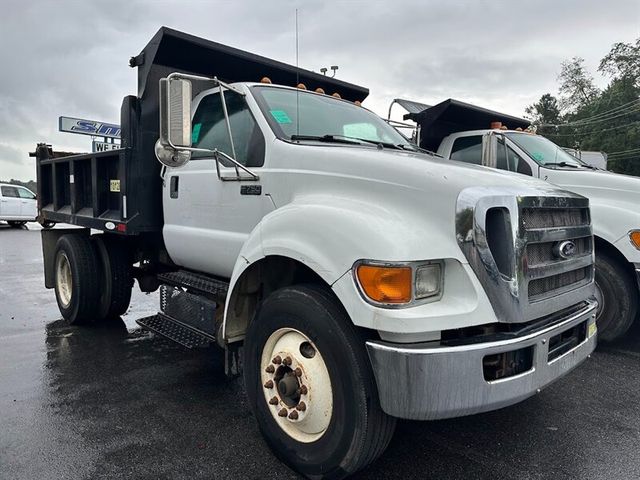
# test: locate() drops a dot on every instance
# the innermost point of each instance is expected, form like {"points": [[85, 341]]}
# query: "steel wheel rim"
{"points": [[64, 279], [296, 385], [600, 298]]}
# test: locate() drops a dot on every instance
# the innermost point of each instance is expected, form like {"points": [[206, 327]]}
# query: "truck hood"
{"points": [[613, 198], [599, 186]]}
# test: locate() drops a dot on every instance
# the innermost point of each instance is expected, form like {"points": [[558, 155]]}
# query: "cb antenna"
{"points": [[297, 81]]}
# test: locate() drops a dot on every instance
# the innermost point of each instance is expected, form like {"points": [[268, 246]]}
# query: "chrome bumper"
{"points": [[422, 382]]}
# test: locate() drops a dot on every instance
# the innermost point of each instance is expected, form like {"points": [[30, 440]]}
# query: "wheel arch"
{"points": [[604, 246], [255, 282]]}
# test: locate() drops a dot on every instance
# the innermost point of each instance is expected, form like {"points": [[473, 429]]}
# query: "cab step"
{"points": [[176, 331], [201, 283]]}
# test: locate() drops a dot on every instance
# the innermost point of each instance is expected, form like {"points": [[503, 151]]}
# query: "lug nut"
{"points": [[298, 372], [303, 390], [287, 361], [293, 415], [301, 406], [277, 360], [270, 369], [268, 384], [282, 413], [274, 401]]}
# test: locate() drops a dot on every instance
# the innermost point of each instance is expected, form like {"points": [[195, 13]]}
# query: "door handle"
{"points": [[173, 186]]}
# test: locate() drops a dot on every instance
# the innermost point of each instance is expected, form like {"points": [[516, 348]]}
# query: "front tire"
{"points": [[617, 294], [310, 384], [48, 224], [76, 279]]}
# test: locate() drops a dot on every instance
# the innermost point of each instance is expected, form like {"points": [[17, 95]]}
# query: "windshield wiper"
{"points": [[327, 138], [561, 164]]}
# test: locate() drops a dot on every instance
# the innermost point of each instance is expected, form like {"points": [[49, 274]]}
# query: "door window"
{"points": [[9, 191], [508, 159], [467, 149], [210, 130], [24, 193]]}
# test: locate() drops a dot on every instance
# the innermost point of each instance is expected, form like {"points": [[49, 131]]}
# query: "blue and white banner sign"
{"points": [[88, 127]]}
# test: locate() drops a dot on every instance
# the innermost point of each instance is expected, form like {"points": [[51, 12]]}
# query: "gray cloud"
{"points": [[70, 57]]}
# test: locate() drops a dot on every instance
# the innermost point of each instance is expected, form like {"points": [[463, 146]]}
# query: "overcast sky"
{"points": [[70, 57]]}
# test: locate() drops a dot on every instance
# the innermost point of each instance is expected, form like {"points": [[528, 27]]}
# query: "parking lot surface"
{"points": [[111, 401]]}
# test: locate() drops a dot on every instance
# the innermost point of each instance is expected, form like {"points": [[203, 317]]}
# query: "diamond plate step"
{"points": [[201, 283], [176, 331]]}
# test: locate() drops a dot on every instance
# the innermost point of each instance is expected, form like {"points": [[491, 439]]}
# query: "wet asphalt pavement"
{"points": [[110, 402]]}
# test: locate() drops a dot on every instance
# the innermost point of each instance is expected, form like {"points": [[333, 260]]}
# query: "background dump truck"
{"points": [[351, 278], [458, 131]]}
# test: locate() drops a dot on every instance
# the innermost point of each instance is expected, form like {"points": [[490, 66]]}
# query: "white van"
{"points": [[17, 205]]}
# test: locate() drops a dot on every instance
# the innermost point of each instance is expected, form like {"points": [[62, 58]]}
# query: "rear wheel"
{"points": [[76, 278], [48, 224], [116, 276], [16, 224], [310, 384], [617, 295]]}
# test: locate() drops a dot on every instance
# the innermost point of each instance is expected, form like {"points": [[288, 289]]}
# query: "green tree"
{"points": [[623, 61], [576, 85], [544, 111]]}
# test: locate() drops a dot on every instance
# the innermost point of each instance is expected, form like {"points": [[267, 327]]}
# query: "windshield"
{"points": [[543, 151], [300, 114]]}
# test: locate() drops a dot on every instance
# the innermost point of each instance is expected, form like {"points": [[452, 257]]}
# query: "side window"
{"points": [[467, 149], [9, 192], [517, 163], [501, 155], [24, 193], [209, 129]]}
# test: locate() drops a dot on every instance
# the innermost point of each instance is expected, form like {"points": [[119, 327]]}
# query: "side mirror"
{"points": [[175, 122], [489, 149]]}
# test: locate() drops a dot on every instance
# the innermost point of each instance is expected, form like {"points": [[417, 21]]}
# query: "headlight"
{"points": [[399, 284], [428, 280], [634, 236]]}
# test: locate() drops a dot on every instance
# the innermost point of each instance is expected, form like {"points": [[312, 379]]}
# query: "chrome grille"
{"points": [[512, 238], [540, 253], [540, 286], [554, 217], [547, 272]]}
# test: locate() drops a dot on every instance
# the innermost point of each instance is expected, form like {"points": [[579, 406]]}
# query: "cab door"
{"points": [[10, 203], [207, 220], [28, 208]]}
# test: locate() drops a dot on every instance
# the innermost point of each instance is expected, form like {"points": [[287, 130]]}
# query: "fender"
{"points": [[606, 221], [328, 234]]}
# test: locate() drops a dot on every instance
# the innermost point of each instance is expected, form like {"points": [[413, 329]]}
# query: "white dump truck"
{"points": [[351, 278], [460, 131]]}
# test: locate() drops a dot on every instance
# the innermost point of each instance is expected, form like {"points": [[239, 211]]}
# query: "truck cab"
{"points": [[449, 128], [350, 277]]}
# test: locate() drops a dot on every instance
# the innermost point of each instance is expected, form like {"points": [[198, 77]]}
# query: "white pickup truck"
{"points": [[351, 278], [17, 205], [452, 128]]}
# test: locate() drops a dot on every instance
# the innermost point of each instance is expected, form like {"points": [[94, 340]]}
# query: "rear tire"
{"points": [[47, 224], [76, 278], [617, 293], [116, 276], [315, 443], [16, 223]]}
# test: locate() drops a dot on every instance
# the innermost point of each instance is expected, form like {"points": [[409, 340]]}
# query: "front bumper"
{"points": [[424, 382]]}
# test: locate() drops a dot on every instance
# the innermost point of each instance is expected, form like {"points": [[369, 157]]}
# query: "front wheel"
{"points": [[310, 384], [617, 295]]}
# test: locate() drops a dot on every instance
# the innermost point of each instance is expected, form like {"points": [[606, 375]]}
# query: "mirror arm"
{"points": [[228, 123], [217, 153]]}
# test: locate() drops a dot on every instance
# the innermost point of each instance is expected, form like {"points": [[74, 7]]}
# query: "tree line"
{"points": [[584, 117]]}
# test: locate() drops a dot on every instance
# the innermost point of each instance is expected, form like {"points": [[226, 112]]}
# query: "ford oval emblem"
{"points": [[565, 249]]}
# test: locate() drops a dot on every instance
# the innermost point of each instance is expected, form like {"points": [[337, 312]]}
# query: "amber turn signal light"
{"points": [[385, 284], [634, 236]]}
